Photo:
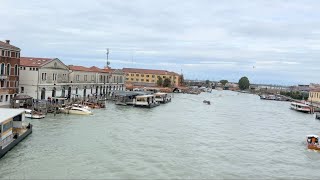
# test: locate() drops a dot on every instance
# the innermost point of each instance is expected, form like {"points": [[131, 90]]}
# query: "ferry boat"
{"points": [[300, 107], [33, 114], [147, 101], [313, 142], [12, 129], [162, 97]]}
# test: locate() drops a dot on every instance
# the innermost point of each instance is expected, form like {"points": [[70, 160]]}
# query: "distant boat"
{"points": [[33, 114], [206, 102], [313, 142]]}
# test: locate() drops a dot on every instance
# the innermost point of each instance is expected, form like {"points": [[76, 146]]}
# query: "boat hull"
{"points": [[15, 142]]}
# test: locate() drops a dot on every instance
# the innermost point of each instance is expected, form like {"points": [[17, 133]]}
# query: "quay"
{"points": [[12, 130]]}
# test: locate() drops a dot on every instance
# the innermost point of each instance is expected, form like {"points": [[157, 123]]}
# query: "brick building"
{"points": [[9, 72]]}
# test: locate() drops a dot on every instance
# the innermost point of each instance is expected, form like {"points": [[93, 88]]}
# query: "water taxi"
{"points": [[12, 130], [78, 110], [33, 114], [301, 107], [162, 97], [313, 142], [147, 101]]}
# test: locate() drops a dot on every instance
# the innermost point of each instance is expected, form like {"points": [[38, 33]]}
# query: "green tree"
{"points": [[159, 81], [167, 82], [244, 83], [224, 82]]}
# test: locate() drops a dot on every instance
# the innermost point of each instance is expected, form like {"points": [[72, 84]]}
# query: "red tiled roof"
{"points": [[4, 45], [34, 62], [90, 69], [149, 71]]}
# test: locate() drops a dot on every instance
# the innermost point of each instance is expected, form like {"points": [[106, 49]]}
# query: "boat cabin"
{"points": [[10, 123], [162, 97], [145, 101]]}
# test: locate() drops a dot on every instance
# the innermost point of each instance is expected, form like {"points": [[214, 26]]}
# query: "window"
{"points": [[147, 75], [21, 68], [7, 98], [137, 75], [8, 83], [137, 79], [132, 75], [2, 71], [142, 75], [142, 80], [16, 70], [127, 79], [36, 69], [147, 80], [85, 77], [1, 99], [8, 69], [54, 77], [30, 69], [131, 79], [44, 76], [7, 126], [2, 53], [24, 68], [77, 77]]}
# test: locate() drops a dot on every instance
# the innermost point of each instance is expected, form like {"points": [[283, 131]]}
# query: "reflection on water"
{"points": [[237, 136]]}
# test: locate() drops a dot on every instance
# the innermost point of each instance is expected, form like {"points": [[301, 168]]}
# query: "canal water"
{"points": [[238, 136]]}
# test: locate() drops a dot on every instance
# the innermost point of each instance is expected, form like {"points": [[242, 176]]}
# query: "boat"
{"points": [[301, 107], [82, 106], [313, 142], [147, 101], [206, 102], [162, 97], [318, 115], [76, 110], [12, 129], [34, 114]]}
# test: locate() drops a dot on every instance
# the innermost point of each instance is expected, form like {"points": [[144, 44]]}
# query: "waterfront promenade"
{"points": [[237, 137]]}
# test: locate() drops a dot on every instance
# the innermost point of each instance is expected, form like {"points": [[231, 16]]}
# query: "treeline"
{"points": [[296, 95]]}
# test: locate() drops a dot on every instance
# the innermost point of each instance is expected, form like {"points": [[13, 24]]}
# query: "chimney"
{"points": [[8, 41]]}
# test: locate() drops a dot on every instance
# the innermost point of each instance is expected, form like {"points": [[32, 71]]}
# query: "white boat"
{"points": [[300, 107], [81, 106], [147, 101], [76, 110], [33, 114], [162, 97]]}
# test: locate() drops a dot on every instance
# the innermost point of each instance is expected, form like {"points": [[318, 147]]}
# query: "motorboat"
{"points": [[206, 102], [76, 110], [34, 114], [313, 142], [82, 106], [301, 107]]}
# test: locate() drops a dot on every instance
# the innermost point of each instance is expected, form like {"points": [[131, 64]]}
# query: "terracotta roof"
{"points": [[34, 62], [4, 45], [149, 71]]}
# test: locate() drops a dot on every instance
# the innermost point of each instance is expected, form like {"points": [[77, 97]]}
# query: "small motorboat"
{"points": [[313, 142], [206, 102], [33, 114], [318, 115], [76, 110]]}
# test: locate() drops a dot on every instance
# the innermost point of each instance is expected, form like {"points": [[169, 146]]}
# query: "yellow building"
{"points": [[150, 76], [314, 95]]}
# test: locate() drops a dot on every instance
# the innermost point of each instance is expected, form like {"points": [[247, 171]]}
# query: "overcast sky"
{"points": [[269, 41]]}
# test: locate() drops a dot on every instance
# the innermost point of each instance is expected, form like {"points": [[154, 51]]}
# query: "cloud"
{"points": [[207, 38]]}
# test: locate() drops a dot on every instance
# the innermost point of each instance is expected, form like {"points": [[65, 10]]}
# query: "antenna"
{"points": [[107, 63]]}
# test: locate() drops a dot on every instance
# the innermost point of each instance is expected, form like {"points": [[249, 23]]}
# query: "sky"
{"points": [[273, 41]]}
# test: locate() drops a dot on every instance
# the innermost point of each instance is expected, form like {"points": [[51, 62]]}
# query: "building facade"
{"points": [[41, 78], [149, 77], [314, 95], [9, 72]]}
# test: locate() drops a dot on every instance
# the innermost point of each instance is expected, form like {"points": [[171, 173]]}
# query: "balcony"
{"points": [[3, 77]]}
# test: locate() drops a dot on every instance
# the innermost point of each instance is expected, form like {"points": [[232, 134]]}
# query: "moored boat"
{"points": [[12, 129], [147, 101], [301, 107], [76, 110], [162, 97], [34, 114]]}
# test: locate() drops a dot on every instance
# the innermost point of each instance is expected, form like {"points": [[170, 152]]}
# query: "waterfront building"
{"points": [[149, 77], [86, 81], [9, 72], [314, 95], [41, 78]]}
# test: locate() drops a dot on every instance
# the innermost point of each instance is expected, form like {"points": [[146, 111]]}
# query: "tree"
{"points": [[224, 82], [244, 83], [167, 82], [159, 81]]}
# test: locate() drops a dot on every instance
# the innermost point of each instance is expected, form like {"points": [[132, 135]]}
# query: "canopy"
{"points": [[22, 97]]}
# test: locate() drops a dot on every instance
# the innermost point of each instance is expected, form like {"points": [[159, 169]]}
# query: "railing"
{"points": [[3, 77]]}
